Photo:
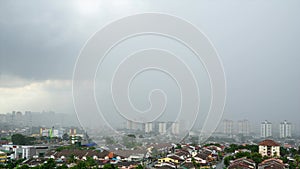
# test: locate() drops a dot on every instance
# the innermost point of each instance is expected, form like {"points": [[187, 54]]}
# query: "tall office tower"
{"points": [[266, 129], [243, 127], [228, 126], [285, 129]]}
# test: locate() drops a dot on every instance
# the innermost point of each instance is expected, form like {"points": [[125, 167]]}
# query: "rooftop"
{"points": [[268, 143]]}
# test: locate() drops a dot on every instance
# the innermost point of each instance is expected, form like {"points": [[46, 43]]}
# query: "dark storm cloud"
{"points": [[37, 41]]}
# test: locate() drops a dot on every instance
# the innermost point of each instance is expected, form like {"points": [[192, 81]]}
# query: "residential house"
{"points": [[130, 155], [242, 163], [272, 163]]}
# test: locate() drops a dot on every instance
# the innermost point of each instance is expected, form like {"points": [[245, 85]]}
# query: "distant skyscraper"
{"points": [[243, 127], [285, 129], [130, 125], [266, 129], [175, 128], [162, 127], [228, 127], [133, 125], [148, 127]]}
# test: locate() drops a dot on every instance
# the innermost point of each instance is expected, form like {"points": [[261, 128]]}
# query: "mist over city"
{"points": [[149, 84]]}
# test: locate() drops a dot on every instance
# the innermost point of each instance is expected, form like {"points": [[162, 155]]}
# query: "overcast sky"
{"points": [[258, 43]]}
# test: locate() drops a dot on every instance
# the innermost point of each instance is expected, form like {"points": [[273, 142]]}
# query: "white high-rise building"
{"points": [[175, 128], [148, 127], [266, 129], [243, 127], [133, 125], [130, 125], [162, 127], [228, 127], [285, 129]]}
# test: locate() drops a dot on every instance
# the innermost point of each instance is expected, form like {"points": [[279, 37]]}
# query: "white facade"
{"points": [[25, 152], [130, 125], [285, 129], [243, 127], [162, 127], [148, 127], [133, 125], [175, 128], [228, 126], [269, 150], [266, 129]]}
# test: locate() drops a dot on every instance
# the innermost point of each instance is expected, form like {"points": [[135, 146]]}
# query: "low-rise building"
{"points": [[168, 159], [25, 152], [269, 148], [3, 157]]}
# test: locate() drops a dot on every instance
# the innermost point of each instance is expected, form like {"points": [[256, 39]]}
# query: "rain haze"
{"points": [[257, 43]]}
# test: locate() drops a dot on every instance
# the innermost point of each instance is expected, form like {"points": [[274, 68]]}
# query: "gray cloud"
{"points": [[258, 42]]}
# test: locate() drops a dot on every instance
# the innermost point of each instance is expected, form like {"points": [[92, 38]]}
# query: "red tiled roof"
{"points": [[272, 163], [242, 163], [268, 143]]}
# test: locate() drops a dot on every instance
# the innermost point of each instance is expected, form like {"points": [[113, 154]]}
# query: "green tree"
{"points": [[256, 157], [195, 164], [23, 167], [82, 165], [90, 162], [64, 166], [139, 167], [131, 135], [71, 159], [20, 139], [293, 151], [252, 148], [283, 151], [284, 159], [231, 148], [109, 166], [227, 160], [292, 165], [14, 163], [50, 164], [243, 154], [297, 160]]}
